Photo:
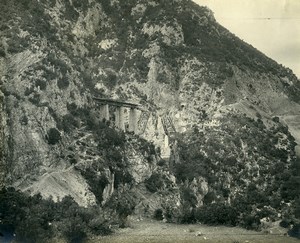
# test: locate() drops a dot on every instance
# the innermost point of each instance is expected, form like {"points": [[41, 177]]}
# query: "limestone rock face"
{"points": [[63, 183], [186, 72], [200, 188], [139, 168], [172, 35]]}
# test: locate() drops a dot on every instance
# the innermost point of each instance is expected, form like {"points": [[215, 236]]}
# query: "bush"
{"points": [[161, 162], [41, 83], [209, 197], [99, 226], [122, 177], [74, 230], [291, 188], [53, 136], [28, 217], [34, 227], [35, 99], [217, 213], [124, 209], [34, 219], [172, 214], [158, 214], [249, 221], [24, 120], [187, 215], [154, 183], [63, 83], [189, 197], [11, 206], [69, 122], [111, 80]]}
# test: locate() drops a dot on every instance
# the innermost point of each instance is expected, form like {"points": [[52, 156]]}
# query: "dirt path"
{"points": [[159, 232]]}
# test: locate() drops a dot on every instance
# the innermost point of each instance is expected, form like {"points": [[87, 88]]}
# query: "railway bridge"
{"points": [[129, 116], [118, 111]]}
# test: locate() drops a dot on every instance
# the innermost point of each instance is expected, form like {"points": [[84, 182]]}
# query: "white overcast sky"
{"points": [[271, 26]]}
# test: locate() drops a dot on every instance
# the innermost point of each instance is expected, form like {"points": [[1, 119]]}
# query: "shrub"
{"points": [[187, 215], [122, 177], [249, 221], [275, 119], [297, 207], [123, 206], [34, 219], [74, 230], [53, 136], [47, 73], [41, 83], [158, 214], [63, 83], [34, 227], [70, 12], [27, 216], [189, 197], [291, 188], [161, 162], [124, 209], [69, 122], [172, 214], [154, 182], [99, 226], [109, 137], [209, 197], [24, 120], [111, 80], [35, 99], [11, 206], [217, 213]]}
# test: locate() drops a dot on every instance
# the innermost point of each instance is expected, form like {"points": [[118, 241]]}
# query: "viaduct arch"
{"points": [[119, 114], [137, 117]]}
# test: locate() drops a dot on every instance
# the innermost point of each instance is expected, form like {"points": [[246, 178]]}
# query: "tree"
{"points": [[53, 136]]}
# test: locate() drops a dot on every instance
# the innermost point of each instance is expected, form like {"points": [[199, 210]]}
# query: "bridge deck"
{"points": [[116, 102]]}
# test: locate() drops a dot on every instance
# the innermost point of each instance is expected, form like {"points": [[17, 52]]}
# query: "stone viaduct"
{"points": [[137, 123], [128, 116], [119, 113]]}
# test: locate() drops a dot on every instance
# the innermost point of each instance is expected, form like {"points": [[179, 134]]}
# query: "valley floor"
{"points": [[158, 232]]}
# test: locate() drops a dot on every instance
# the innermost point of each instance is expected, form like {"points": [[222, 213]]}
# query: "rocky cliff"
{"points": [[234, 110]]}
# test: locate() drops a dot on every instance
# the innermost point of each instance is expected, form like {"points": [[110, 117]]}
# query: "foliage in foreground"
{"points": [[33, 219]]}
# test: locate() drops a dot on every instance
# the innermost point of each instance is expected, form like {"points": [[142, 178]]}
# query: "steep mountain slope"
{"points": [[226, 101]]}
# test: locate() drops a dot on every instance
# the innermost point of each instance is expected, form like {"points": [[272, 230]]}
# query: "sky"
{"points": [[271, 26]]}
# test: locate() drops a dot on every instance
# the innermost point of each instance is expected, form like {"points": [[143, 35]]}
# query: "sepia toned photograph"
{"points": [[158, 121]]}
